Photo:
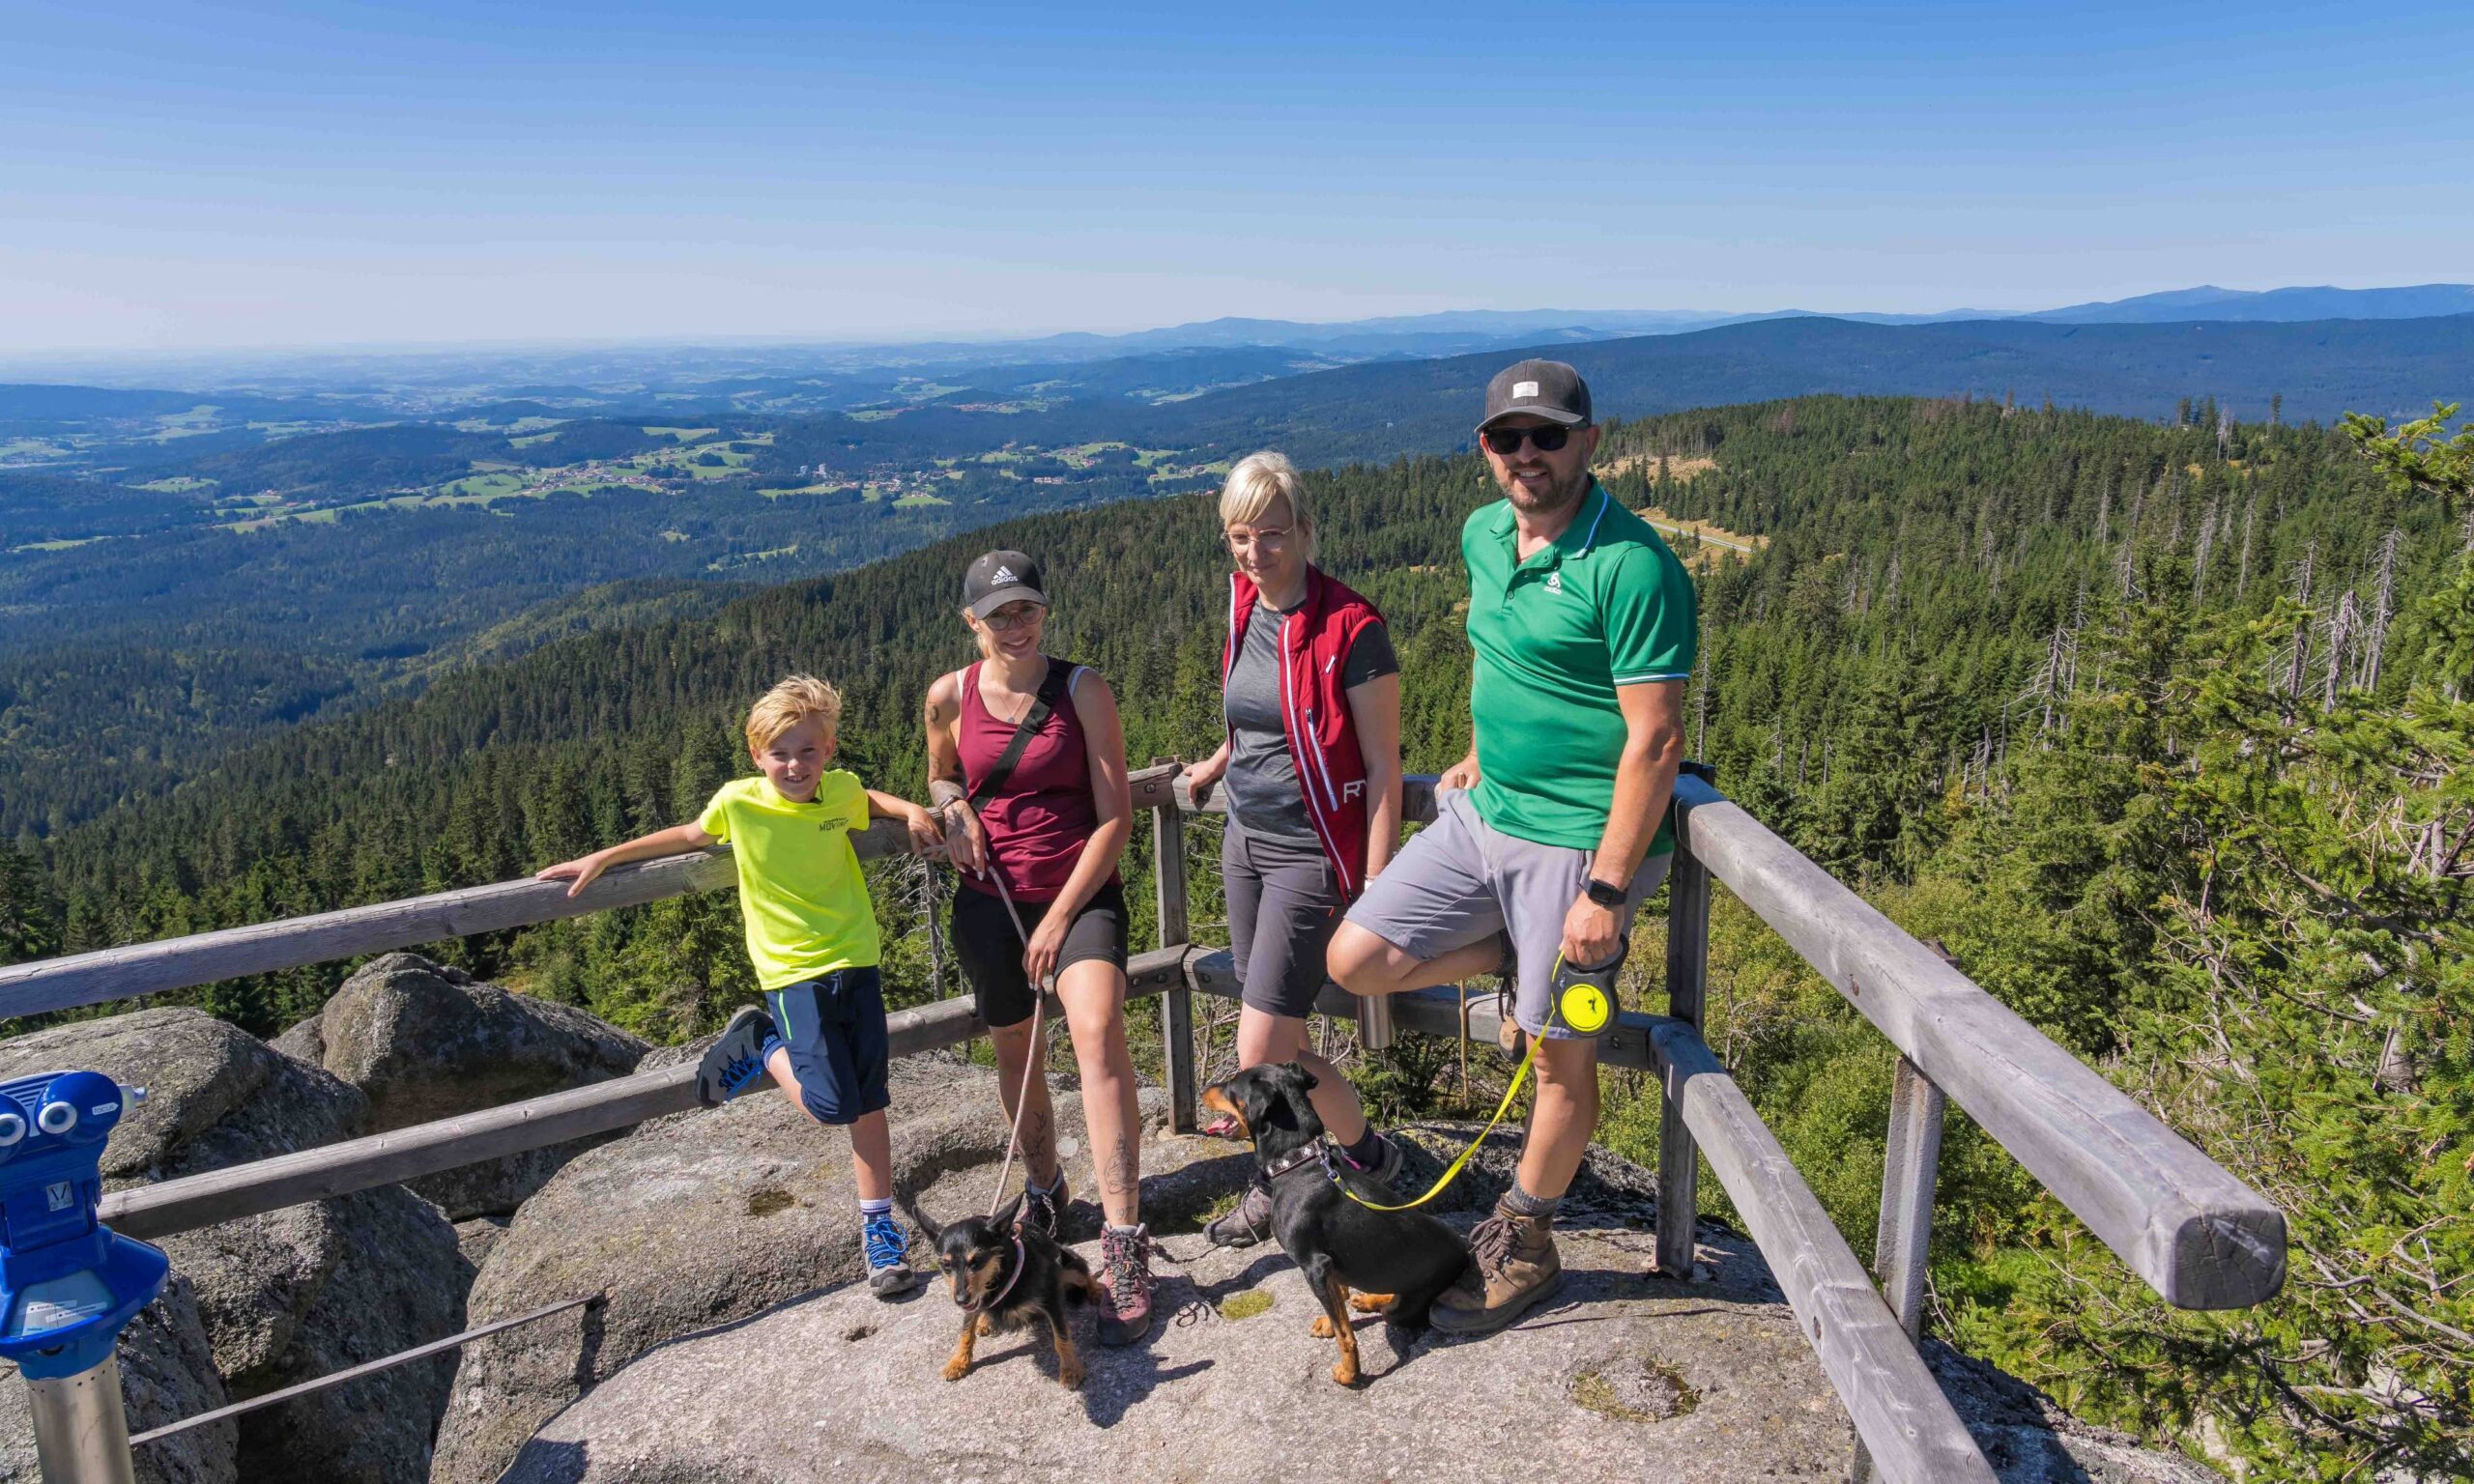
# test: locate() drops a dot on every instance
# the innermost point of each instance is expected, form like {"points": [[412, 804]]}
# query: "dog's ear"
{"points": [[1298, 1076], [1253, 1098], [909, 1204], [1008, 1214]]}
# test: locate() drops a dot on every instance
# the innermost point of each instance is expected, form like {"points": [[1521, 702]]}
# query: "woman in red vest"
{"points": [[1027, 766], [1312, 695]]}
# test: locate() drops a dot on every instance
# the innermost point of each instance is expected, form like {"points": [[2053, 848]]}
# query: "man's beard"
{"points": [[1555, 500]]}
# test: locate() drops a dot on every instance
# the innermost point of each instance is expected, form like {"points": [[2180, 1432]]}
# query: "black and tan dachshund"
{"points": [[1004, 1274], [1392, 1262]]}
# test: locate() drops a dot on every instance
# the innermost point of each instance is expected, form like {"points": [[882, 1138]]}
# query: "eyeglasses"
{"points": [[1269, 537], [1507, 441], [1006, 619]]}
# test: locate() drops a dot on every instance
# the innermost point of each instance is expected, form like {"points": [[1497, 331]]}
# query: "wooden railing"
{"points": [[2197, 1236]]}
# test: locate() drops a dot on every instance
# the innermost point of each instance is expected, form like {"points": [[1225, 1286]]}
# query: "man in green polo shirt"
{"points": [[1549, 833]]}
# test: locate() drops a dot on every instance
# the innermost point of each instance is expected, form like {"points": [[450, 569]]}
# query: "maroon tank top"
{"points": [[1039, 822]]}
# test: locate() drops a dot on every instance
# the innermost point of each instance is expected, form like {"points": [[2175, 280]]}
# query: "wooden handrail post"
{"points": [[1908, 1173], [1176, 1005], [1687, 973]]}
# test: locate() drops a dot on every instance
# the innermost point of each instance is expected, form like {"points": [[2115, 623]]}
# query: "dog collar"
{"points": [[1303, 1153], [986, 1304]]}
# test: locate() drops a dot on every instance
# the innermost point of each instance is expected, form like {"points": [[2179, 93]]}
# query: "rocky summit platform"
{"points": [[1625, 1377]]}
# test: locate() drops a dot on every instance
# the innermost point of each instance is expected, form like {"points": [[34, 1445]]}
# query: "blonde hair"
{"points": [[790, 703], [1258, 479]]}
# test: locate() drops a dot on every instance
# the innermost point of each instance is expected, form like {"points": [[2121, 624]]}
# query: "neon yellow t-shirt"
{"points": [[800, 887]]}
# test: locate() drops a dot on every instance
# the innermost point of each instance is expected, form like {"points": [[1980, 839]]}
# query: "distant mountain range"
{"points": [[2425, 300], [2320, 368], [786, 377], [1537, 327]]}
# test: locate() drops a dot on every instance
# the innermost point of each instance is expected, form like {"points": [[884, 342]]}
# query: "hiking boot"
{"points": [[1513, 1268], [888, 1249], [1126, 1284], [735, 1061], [1044, 1210], [1249, 1223]]}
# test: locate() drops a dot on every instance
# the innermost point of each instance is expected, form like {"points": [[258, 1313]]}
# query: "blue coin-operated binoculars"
{"points": [[68, 1283]]}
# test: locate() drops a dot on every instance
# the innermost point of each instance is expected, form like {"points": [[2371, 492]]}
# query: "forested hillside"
{"points": [[2158, 729], [245, 570]]}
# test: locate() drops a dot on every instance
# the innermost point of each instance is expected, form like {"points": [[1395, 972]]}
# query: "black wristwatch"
{"points": [[1608, 896]]}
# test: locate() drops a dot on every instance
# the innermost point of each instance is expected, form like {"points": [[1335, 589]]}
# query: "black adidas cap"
{"points": [[1537, 388], [1000, 578]]}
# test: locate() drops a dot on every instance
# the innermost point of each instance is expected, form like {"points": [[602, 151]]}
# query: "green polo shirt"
{"points": [[1604, 605]]}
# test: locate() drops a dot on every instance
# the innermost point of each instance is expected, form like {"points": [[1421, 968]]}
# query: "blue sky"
{"points": [[180, 177]]}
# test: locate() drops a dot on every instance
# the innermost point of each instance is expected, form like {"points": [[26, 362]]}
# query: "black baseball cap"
{"points": [[1000, 578], [1537, 388]]}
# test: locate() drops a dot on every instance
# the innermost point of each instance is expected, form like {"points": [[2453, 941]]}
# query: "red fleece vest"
{"points": [[1322, 731]]}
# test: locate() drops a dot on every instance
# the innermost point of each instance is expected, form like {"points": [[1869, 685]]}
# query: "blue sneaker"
{"points": [[735, 1063], [887, 1248]]}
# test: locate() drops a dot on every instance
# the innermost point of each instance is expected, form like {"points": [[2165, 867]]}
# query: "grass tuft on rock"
{"points": [[1245, 1305]]}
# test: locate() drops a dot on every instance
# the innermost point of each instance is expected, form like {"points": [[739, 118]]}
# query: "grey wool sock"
{"points": [[1528, 1205]]}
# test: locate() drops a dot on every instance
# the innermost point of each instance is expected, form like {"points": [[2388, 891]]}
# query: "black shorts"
{"points": [[992, 951], [1282, 908], [834, 1028]]}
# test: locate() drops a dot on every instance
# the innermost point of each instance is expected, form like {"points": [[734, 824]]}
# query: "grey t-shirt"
{"points": [[1264, 798]]}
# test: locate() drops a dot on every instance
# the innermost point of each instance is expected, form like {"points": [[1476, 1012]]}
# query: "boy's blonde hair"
{"points": [[790, 703], [1257, 481]]}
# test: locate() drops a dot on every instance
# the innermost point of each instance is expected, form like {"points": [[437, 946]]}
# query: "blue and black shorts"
{"points": [[834, 1028]]}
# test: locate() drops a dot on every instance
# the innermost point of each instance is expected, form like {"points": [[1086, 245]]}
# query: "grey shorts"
{"points": [[1283, 908], [1460, 881]]}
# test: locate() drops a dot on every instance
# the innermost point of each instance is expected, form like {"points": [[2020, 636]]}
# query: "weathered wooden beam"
{"points": [[1430, 1012], [1688, 973], [426, 1148], [1908, 1426], [1155, 787], [1902, 1242], [2198, 1237], [1416, 798], [1176, 1002], [139, 969]]}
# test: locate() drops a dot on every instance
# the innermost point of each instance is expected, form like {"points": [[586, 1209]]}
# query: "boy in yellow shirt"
{"points": [[812, 935]]}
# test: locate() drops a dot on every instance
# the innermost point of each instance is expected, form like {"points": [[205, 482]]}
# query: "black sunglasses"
{"points": [[1507, 441]]}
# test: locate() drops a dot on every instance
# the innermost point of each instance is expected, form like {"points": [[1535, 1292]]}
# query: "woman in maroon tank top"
{"points": [[1048, 829]]}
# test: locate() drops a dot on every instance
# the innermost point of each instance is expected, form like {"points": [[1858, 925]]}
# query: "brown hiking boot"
{"points": [[1513, 1268], [1249, 1223]]}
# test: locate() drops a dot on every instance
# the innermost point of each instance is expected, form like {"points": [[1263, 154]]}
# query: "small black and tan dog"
{"points": [[1392, 1262], [1004, 1274]]}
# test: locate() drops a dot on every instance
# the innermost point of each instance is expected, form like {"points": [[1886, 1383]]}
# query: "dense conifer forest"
{"points": [[2160, 730]]}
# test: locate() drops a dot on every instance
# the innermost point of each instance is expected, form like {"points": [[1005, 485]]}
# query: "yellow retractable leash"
{"points": [[1582, 1006]]}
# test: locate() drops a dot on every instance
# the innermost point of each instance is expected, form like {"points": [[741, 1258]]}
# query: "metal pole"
{"points": [[81, 1433], [1687, 973], [1176, 1005], [1908, 1174]]}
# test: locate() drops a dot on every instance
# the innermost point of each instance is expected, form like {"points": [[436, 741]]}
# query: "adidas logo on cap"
{"points": [[1006, 575]]}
